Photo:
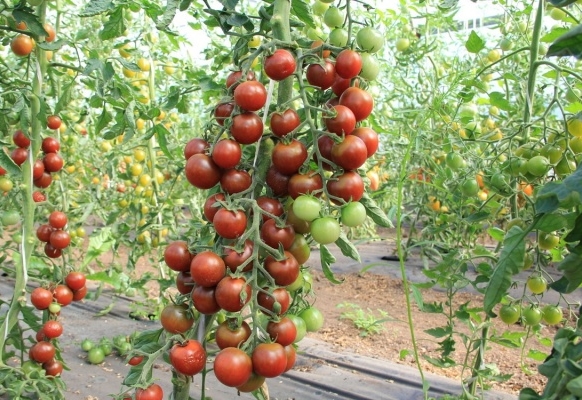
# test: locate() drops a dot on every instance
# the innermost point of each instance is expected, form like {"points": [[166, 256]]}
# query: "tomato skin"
{"points": [[51, 251], [351, 153], [21, 45], [207, 269], [552, 315], [291, 357], [229, 293], [44, 181], [348, 186], [285, 271], [288, 158], [41, 298], [230, 224], [537, 284], [51, 34], [75, 280], [283, 331], [229, 335], [370, 138], [204, 301], [348, 64], [80, 294], [63, 295], [269, 360], [135, 360], [58, 219], [310, 183], [252, 384], [177, 256], [223, 111], [20, 139], [235, 181], [299, 225], [325, 230], [277, 302], [50, 145], [235, 77], [277, 181], [342, 121], [195, 146], [19, 155], [313, 319], [184, 282], [233, 258], [60, 239], [52, 329], [300, 249], [532, 315], [353, 214], [358, 101], [300, 327], [42, 352], [152, 392], [53, 122], [188, 358], [321, 76], [280, 65], [509, 314], [284, 123], [369, 39], [176, 318], [232, 367], [246, 128], [210, 209], [226, 153], [306, 207], [273, 235], [37, 170], [202, 172], [250, 95], [271, 206], [53, 367]]}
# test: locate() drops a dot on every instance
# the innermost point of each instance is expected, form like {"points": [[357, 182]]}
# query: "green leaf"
{"points": [[555, 33], [184, 4], [92, 65], [528, 394], [7, 163], [347, 247], [96, 7], [302, 10], [169, 14], [498, 99], [474, 44], [112, 278], [114, 26], [536, 355], [31, 20], [551, 222], [510, 262], [569, 44], [162, 134], [566, 193], [575, 386], [439, 332], [478, 216], [375, 213], [575, 234], [327, 259], [496, 233], [104, 120], [99, 244], [52, 46], [570, 266]]}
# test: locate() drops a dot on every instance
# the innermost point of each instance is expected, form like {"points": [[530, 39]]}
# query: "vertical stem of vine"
{"points": [[282, 31], [479, 358]]}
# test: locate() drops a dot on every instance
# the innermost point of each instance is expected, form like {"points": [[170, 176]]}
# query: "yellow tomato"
{"points": [[145, 180], [123, 203], [70, 169], [139, 155], [128, 73], [136, 169], [144, 64], [169, 69], [575, 127], [139, 124], [95, 180]]}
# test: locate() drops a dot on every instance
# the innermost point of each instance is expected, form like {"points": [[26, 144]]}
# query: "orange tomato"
{"points": [[374, 180]]}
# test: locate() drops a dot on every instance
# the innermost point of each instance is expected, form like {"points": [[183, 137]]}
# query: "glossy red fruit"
{"points": [[204, 300], [284, 271], [348, 186], [275, 236], [232, 294], [284, 122], [280, 65], [58, 219], [41, 298], [359, 101], [20, 139], [223, 111], [202, 172], [230, 224], [351, 153], [75, 280], [232, 367], [53, 162], [348, 64], [370, 138], [235, 77], [250, 95], [211, 205], [269, 360], [246, 128], [287, 158], [207, 269], [188, 358], [195, 146], [50, 145], [321, 76], [177, 256], [341, 120]]}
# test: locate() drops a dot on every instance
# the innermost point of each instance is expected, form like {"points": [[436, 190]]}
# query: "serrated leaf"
{"points": [[439, 332], [104, 120], [52, 46], [8, 164], [499, 100], [65, 99], [96, 7], [509, 264], [570, 266], [111, 278], [347, 247], [92, 65], [555, 33], [478, 216], [327, 259], [569, 44], [303, 11], [474, 43], [555, 194], [375, 213], [169, 13], [162, 135], [31, 20], [114, 27]]}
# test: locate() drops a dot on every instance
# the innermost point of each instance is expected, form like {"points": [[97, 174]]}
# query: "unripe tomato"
{"points": [[509, 314], [537, 284], [325, 230], [369, 39], [552, 315]]}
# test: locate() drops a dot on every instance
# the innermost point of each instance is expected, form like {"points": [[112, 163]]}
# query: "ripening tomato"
{"points": [[280, 65], [177, 256], [226, 153], [204, 300], [230, 224], [195, 146], [276, 301], [252, 384], [341, 120], [351, 153], [50, 145], [188, 358], [44, 181], [250, 95], [19, 155], [202, 172], [274, 235], [37, 169], [20, 139], [285, 122], [230, 334], [235, 181], [287, 158], [60, 239], [22, 45], [53, 122], [152, 392], [232, 367], [246, 128], [207, 268], [234, 258], [277, 181], [283, 331], [300, 249], [321, 76], [53, 367], [223, 111], [232, 294], [52, 329], [284, 271], [348, 64], [52, 252], [271, 206], [291, 357], [348, 186], [51, 33], [308, 183], [235, 77], [358, 101], [43, 232], [58, 219], [370, 138], [184, 282], [42, 352], [41, 298], [63, 295], [269, 360], [176, 318], [211, 205]]}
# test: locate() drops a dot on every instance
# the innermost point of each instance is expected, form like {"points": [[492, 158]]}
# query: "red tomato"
{"points": [[271, 206], [51, 34], [229, 334], [152, 392], [277, 182], [52, 252], [230, 224], [188, 358], [19, 155], [348, 186], [269, 360], [50, 145], [52, 329], [340, 85], [204, 301], [176, 318], [53, 162], [232, 367], [321, 76], [351, 153], [359, 101], [226, 153], [232, 294], [211, 206], [58, 219], [234, 257], [20, 139], [280, 65], [285, 122], [60, 239], [53, 367], [250, 95], [235, 181], [202, 172], [236, 76], [177, 256], [324, 145], [184, 282], [135, 360], [291, 356], [340, 121], [246, 128], [223, 111], [207, 269], [44, 181], [42, 352], [370, 138], [37, 170], [63, 295], [253, 383], [80, 294], [75, 280], [276, 302], [273, 235], [41, 298], [285, 271], [309, 183], [288, 158], [195, 146], [348, 64], [53, 122]]}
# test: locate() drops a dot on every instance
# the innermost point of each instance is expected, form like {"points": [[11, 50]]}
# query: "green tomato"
{"points": [[537, 165], [369, 39], [370, 66], [124, 348], [552, 315], [96, 355], [532, 315], [34, 3], [338, 37], [87, 345], [313, 319], [106, 346], [402, 44], [506, 44], [325, 230], [509, 314], [10, 217], [319, 7], [455, 161], [297, 284], [537, 284], [300, 325], [547, 241], [353, 214], [334, 17], [470, 188], [306, 207]]}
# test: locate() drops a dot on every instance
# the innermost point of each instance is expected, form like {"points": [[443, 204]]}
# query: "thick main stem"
{"points": [[282, 32]]}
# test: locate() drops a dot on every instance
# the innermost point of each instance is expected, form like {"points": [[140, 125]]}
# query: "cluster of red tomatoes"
{"points": [[44, 352], [53, 234]]}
